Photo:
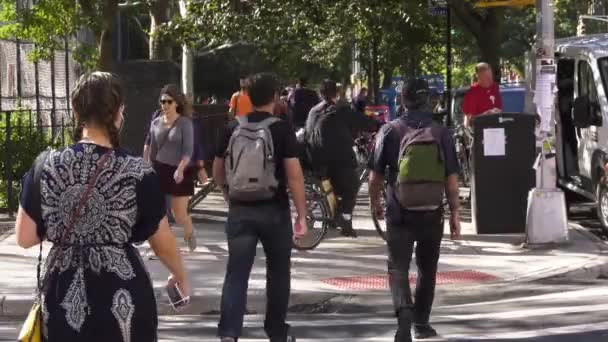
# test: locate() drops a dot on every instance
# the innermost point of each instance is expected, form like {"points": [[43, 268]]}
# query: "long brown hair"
{"points": [[183, 105], [97, 97]]}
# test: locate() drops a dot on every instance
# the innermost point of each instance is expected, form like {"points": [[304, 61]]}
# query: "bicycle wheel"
{"points": [[200, 195], [318, 216], [380, 224]]}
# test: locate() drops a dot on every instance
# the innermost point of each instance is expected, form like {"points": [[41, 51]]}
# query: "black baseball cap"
{"points": [[416, 90]]}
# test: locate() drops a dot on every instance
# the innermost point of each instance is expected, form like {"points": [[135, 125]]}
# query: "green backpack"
{"points": [[420, 183]]}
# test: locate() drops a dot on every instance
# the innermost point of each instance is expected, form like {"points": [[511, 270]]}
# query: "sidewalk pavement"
{"points": [[338, 267]]}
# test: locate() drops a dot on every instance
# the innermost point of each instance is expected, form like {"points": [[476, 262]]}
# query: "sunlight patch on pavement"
{"points": [[579, 294]]}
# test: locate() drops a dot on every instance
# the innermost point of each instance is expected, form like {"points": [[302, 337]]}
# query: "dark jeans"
{"points": [[426, 230], [271, 225], [345, 182]]}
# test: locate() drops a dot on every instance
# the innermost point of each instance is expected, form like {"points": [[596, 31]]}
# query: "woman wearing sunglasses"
{"points": [[171, 147]]}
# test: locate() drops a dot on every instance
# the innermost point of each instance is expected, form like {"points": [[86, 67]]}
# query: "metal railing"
{"points": [[23, 135]]}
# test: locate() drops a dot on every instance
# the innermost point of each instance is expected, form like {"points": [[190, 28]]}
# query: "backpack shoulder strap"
{"points": [[242, 120], [401, 127], [236, 102], [266, 123]]}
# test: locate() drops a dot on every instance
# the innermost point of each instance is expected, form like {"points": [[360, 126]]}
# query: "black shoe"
{"points": [[422, 331], [403, 336], [404, 326], [347, 228]]}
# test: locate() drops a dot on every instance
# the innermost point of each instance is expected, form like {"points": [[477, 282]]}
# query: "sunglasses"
{"points": [[169, 102]]}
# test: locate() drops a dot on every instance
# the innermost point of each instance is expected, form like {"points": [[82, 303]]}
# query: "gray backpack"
{"points": [[250, 163]]}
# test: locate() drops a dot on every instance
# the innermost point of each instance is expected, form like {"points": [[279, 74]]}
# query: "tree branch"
{"points": [[469, 17]]}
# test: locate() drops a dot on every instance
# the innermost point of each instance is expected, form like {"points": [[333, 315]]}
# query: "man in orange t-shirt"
{"points": [[483, 97], [240, 104]]}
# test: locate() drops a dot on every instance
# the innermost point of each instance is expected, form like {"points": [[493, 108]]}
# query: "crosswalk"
{"points": [[571, 315]]}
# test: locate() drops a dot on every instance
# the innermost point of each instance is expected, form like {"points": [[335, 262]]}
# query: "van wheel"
{"points": [[602, 205]]}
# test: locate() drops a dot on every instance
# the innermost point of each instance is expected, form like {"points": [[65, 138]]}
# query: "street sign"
{"points": [[503, 3], [438, 7]]}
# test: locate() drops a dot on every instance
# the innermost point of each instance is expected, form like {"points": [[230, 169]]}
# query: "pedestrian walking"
{"points": [[91, 201], [422, 165], [256, 162], [361, 101], [171, 150], [240, 103], [300, 101], [484, 95]]}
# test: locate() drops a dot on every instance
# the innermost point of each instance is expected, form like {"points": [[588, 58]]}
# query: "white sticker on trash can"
{"points": [[494, 142]]}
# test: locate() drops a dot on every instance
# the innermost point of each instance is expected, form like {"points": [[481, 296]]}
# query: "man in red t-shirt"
{"points": [[484, 95]]}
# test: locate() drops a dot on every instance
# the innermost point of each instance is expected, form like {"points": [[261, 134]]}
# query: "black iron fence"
{"points": [[23, 135], [211, 120]]}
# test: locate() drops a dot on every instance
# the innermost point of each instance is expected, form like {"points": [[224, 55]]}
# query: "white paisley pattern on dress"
{"points": [[75, 302], [123, 310], [98, 237]]}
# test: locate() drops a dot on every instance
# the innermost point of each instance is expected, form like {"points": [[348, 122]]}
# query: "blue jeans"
{"points": [[270, 224]]}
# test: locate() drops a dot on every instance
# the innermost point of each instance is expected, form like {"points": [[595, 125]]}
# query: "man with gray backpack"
{"points": [[417, 158], [255, 163]]}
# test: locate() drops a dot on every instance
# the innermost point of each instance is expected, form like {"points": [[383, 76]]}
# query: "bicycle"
{"points": [[201, 194], [463, 139], [320, 213], [380, 224]]}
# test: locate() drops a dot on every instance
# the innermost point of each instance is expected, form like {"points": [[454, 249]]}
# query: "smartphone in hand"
{"points": [[176, 298]]}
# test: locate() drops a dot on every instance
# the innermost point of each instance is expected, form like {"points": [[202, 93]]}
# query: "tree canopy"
{"points": [[392, 36]]}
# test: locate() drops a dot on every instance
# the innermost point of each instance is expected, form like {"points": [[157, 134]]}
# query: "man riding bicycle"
{"points": [[330, 132]]}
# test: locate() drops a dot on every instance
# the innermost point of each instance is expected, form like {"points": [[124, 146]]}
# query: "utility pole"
{"points": [[187, 59], [545, 27], [544, 198], [449, 64]]}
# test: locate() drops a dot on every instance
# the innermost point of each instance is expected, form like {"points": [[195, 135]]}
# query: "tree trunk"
{"points": [[187, 59], [375, 74], [388, 77], [489, 42], [104, 41], [160, 49]]}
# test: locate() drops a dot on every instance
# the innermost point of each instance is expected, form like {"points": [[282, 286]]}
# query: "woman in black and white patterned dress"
{"points": [[96, 287]]}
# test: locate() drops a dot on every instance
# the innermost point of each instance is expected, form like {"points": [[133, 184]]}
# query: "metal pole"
{"points": [[67, 76], [8, 171], [449, 65], [53, 98], [37, 88], [18, 70]]}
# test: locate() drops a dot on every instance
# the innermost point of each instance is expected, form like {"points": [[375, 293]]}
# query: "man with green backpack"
{"points": [[417, 158]]}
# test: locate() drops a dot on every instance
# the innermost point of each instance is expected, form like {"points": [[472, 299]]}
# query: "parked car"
{"points": [[582, 111]]}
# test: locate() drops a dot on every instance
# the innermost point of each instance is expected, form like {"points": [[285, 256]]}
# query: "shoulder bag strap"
{"points": [[236, 103], [38, 167], [85, 196], [166, 138]]}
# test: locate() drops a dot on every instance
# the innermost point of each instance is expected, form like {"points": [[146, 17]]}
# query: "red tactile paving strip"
{"points": [[380, 282]]}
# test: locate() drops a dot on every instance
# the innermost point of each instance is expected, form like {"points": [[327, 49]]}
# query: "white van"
{"points": [[582, 119]]}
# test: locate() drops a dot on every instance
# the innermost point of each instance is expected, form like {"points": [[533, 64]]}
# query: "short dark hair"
{"points": [[363, 90], [329, 89], [263, 88], [415, 94], [303, 81]]}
